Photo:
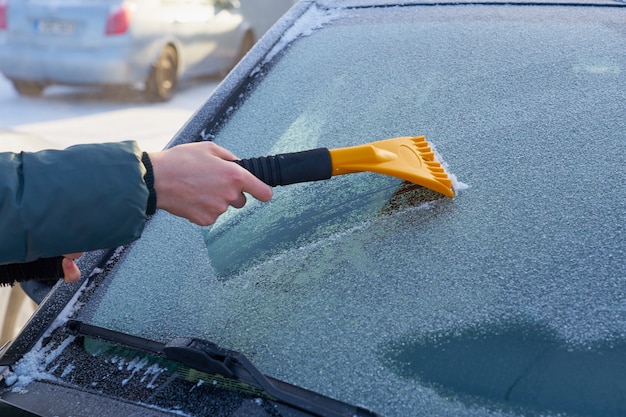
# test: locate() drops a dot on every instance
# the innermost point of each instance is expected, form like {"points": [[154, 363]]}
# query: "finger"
{"points": [[257, 188], [240, 202], [221, 152], [75, 255], [70, 270]]}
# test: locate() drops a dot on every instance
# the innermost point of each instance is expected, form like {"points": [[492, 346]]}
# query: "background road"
{"points": [[65, 116]]}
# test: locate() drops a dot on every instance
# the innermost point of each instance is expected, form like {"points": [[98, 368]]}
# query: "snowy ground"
{"points": [[64, 116]]}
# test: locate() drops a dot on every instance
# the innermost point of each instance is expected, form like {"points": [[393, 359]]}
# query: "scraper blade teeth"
{"points": [[428, 156], [437, 172], [422, 146], [445, 181], [412, 159]]}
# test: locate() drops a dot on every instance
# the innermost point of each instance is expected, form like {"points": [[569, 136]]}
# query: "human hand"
{"points": [[71, 272], [198, 181]]}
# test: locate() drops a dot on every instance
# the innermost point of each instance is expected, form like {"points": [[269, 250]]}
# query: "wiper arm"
{"points": [[208, 357]]}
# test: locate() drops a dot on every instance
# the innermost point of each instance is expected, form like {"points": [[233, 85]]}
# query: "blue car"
{"points": [[147, 44]]}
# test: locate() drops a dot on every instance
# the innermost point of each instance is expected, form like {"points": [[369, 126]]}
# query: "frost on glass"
{"points": [[338, 285]]}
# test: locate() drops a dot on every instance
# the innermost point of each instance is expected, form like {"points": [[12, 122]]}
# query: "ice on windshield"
{"points": [[336, 285], [313, 19]]}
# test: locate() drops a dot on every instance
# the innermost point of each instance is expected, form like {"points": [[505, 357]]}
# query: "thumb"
{"points": [[70, 270]]}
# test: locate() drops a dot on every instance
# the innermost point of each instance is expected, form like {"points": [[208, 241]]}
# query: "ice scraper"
{"points": [[408, 158]]}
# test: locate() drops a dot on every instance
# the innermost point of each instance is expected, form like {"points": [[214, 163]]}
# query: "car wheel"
{"points": [[28, 88], [162, 80]]}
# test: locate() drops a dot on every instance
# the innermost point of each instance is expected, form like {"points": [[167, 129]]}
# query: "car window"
{"points": [[351, 286]]}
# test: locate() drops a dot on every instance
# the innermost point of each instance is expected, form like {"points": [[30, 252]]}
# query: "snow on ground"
{"points": [[65, 116]]}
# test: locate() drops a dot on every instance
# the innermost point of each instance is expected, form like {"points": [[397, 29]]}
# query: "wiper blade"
{"points": [[208, 357]]}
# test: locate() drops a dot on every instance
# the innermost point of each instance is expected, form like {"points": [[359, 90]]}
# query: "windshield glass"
{"points": [[351, 286]]}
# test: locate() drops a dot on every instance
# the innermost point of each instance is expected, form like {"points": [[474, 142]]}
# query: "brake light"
{"points": [[4, 5], [118, 20]]}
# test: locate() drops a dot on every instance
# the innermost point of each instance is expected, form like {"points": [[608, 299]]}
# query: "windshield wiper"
{"points": [[208, 357]]}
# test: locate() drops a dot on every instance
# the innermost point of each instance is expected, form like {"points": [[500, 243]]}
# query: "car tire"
{"points": [[28, 88], [163, 78]]}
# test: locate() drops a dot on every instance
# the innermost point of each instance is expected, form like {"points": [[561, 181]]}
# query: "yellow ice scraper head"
{"points": [[408, 158]]}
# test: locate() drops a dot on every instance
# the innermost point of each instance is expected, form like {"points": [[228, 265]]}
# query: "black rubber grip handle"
{"points": [[291, 168]]}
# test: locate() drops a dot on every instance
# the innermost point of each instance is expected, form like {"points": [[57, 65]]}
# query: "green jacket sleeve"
{"points": [[83, 198]]}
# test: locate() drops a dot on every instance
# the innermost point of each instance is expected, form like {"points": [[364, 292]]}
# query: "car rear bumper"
{"points": [[115, 65]]}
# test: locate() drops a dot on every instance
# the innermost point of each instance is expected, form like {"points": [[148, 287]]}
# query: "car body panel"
{"points": [[507, 300], [52, 42]]}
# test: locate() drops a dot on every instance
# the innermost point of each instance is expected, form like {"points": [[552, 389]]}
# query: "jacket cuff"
{"points": [[149, 180], [47, 270]]}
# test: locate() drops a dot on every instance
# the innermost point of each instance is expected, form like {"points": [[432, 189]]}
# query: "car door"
{"points": [[207, 34]]}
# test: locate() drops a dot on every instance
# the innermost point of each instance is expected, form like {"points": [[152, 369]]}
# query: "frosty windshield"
{"points": [[337, 286]]}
